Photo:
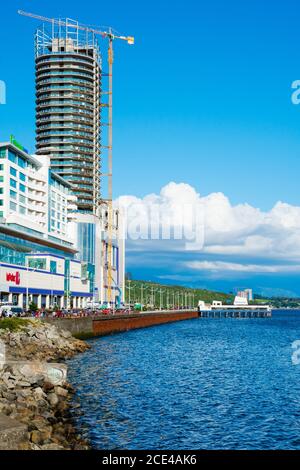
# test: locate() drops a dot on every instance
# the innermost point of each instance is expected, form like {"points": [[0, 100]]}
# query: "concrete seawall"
{"points": [[85, 327]]}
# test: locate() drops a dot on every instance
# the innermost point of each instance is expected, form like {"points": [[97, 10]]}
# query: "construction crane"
{"points": [[109, 201]]}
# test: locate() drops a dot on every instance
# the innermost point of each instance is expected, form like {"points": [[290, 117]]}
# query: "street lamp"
{"points": [[161, 298], [142, 297]]}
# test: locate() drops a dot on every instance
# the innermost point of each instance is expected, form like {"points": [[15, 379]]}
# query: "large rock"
{"points": [[12, 433], [62, 392], [53, 399]]}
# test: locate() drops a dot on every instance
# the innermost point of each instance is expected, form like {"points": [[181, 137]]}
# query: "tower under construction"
{"points": [[68, 90], [68, 106]]}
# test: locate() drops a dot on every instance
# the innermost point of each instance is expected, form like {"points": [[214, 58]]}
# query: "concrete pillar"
{"points": [[61, 302], [47, 301], [10, 297], [20, 302], [39, 301]]}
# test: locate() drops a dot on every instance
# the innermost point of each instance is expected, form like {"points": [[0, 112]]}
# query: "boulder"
{"points": [[62, 392], [52, 399]]}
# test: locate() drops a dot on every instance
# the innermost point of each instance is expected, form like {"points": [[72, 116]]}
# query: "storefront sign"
{"points": [[13, 277]]}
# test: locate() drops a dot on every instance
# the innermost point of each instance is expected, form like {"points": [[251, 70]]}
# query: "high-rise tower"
{"points": [[68, 81]]}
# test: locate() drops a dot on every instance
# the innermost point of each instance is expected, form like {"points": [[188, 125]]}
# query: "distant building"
{"points": [[246, 293]]}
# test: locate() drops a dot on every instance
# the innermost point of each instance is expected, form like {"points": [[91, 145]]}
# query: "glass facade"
{"points": [[86, 236]]}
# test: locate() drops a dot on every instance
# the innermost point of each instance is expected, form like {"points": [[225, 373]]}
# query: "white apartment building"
{"points": [[41, 229], [33, 198]]}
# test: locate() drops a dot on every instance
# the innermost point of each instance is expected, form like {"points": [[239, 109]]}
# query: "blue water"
{"points": [[196, 384]]}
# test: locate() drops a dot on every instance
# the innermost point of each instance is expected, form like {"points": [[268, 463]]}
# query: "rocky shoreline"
{"points": [[33, 386]]}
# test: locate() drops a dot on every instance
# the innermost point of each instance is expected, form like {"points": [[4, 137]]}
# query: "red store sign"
{"points": [[11, 277]]}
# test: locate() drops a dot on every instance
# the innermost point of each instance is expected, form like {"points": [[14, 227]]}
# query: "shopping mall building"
{"points": [[50, 253]]}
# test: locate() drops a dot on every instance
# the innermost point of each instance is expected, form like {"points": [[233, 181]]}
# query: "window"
{"points": [[1, 167], [1, 179], [13, 194], [1, 190], [13, 183], [12, 157], [22, 210], [22, 176], [1, 213], [22, 199], [1, 202], [37, 263], [2, 153], [22, 187], [13, 171], [12, 206], [21, 162], [53, 266]]}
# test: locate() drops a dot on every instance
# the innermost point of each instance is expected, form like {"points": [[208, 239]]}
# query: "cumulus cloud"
{"points": [[235, 238]]}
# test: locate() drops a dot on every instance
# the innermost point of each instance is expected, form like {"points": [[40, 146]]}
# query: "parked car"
{"points": [[8, 311]]}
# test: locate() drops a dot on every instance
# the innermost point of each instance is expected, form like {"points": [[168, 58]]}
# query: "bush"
{"points": [[13, 324]]}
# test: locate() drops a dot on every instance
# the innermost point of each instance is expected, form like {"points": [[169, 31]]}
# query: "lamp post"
{"points": [[167, 299], [143, 288], [129, 288], [161, 298]]}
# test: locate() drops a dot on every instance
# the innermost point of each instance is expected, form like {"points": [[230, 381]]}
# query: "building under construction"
{"points": [[68, 78], [68, 130]]}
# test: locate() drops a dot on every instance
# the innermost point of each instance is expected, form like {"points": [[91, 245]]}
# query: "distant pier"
{"points": [[236, 313]]}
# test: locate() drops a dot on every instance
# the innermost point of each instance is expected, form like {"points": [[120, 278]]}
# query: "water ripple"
{"points": [[197, 384]]}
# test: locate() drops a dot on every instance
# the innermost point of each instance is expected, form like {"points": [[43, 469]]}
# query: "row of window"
{"points": [[15, 173], [13, 184], [60, 58], [58, 226], [66, 79], [66, 109], [64, 125], [63, 101], [57, 215], [69, 118], [64, 87], [13, 195], [13, 206], [64, 132]]}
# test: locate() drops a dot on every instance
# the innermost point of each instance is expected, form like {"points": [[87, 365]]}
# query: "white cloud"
{"points": [[249, 268], [237, 238]]}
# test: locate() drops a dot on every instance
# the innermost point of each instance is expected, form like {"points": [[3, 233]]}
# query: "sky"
{"points": [[203, 99]]}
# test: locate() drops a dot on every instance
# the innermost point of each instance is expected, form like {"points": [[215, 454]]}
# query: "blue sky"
{"points": [[203, 97]]}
